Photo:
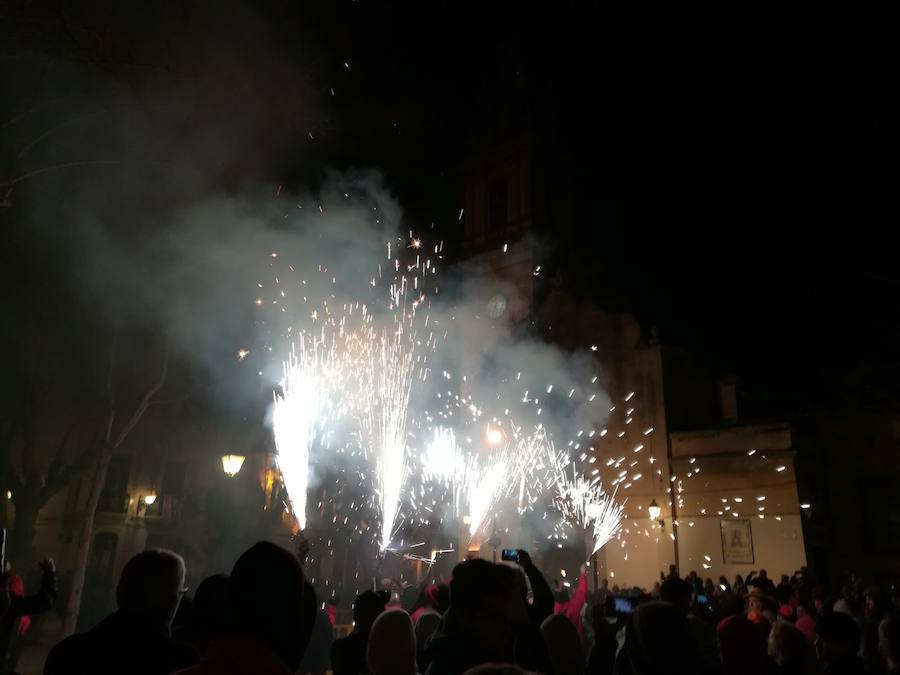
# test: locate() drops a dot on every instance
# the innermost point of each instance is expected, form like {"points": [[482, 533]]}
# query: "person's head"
{"points": [[837, 637], [563, 645], [151, 585], [790, 650], [785, 579], [876, 603], [738, 580], [756, 602], [391, 648], [440, 597], [561, 593], [673, 571], [426, 624], [659, 640], [411, 598], [763, 574], [271, 602], [479, 603], [742, 644], [515, 587], [211, 606], [604, 584], [889, 641], [676, 591], [366, 608]]}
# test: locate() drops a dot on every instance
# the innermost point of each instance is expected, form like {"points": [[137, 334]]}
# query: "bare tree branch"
{"points": [[146, 400]]}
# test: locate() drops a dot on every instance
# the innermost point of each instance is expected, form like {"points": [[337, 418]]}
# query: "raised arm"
{"points": [[542, 597], [580, 596]]}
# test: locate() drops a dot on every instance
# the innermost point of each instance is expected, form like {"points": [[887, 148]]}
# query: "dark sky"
{"points": [[731, 169]]}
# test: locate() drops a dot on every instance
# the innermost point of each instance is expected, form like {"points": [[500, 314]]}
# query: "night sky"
{"points": [[732, 169]]}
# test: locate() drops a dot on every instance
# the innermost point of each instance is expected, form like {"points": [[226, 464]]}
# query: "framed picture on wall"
{"points": [[737, 541]]}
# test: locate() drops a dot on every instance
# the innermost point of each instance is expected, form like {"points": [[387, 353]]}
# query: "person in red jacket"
{"points": [[571, 606]]}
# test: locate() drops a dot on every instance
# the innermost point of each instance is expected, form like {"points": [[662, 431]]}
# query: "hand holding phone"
{"points": [[510, 554]]}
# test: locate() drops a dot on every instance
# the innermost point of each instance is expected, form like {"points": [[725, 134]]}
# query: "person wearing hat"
{"points": [[759, 606]]}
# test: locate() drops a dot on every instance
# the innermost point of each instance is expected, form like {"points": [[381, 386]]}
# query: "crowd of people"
{"points": [[265, 617]]}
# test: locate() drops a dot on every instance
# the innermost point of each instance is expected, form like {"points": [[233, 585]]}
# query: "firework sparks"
{"points": [[583, 503], [300, 411]]}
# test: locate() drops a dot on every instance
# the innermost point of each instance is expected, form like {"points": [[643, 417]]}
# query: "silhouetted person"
{"points": [[271, 611], [743, 646], [16, 610], [529, 649], [763, 582], [791, 651], [136, 638], [434, 597], [317, 659], [425, 627], [602, 659], [678, 593], [837, 644], [348, 655], [889, 644], [564, 646], [658, 642], [391, 648], [209, 609], [876, 608], [477, 628]]}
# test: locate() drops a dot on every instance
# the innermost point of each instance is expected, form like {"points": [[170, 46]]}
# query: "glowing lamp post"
{"points": [[231, 464], [654, 510], [149, 500]]}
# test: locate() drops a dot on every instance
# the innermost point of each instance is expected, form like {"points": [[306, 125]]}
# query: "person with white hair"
{"points": [[137, 637]]}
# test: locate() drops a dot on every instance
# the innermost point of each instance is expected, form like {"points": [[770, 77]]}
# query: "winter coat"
{"points": [[121, 643]]}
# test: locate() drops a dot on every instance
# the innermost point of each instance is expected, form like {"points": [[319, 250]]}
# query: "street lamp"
{"points": [[231, 464], [494, 436], [654, 510]]}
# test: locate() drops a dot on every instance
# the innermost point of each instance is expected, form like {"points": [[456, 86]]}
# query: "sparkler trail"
{"points": [[301, 410], [390, 370], [584, 504]]}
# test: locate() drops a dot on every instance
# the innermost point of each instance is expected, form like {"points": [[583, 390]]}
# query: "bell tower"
{"points": [[499, 221]]}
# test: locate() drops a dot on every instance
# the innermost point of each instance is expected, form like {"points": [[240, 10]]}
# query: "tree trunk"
{"points": [[21, 540], [85, 539], [110, 444]]}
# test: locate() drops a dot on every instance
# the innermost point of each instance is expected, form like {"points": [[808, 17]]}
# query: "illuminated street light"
{"points": [[494, 436], [231, 464], [149, 499], [654, 510]]}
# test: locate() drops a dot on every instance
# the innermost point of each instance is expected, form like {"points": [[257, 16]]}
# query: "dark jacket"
{"points": [[20, 606], [121, 643], [448, 652], [348, 655], [451, 652]]}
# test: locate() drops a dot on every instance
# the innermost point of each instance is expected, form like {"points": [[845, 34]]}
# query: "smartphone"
{"points": [[702, 600], [623, 606], [510, 554]]}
